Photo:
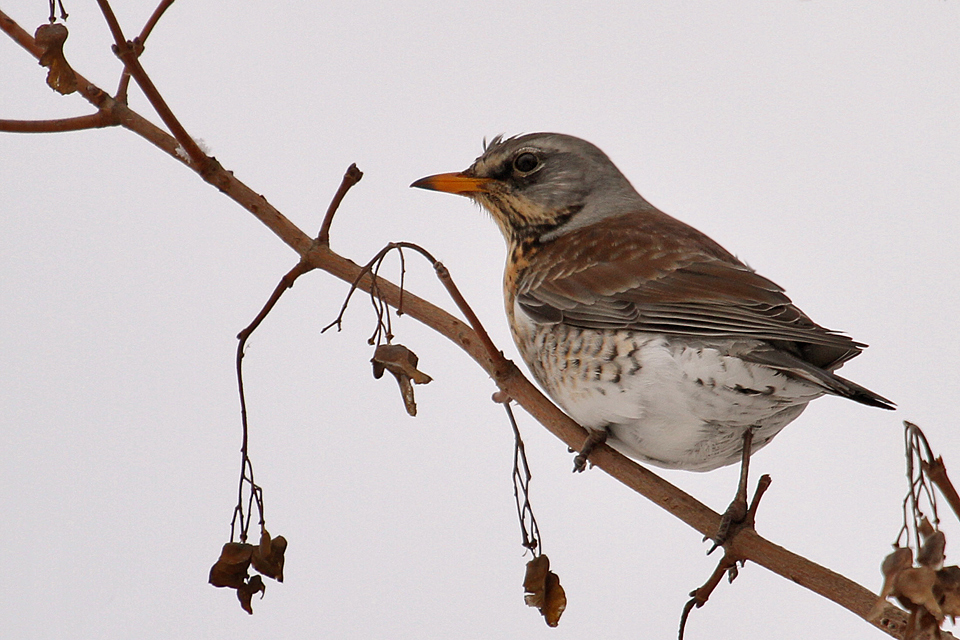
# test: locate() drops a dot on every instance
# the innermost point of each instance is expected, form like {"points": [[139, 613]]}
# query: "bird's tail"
{"points": [[826, 380]]}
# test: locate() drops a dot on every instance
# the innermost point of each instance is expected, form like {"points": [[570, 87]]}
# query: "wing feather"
{"points": [[630, 276]]}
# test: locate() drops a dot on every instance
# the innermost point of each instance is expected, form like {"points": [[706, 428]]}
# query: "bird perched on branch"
{"points": [[644, 330]]}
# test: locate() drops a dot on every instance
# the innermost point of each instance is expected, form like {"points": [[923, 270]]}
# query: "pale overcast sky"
{"points": [[819, 141]]}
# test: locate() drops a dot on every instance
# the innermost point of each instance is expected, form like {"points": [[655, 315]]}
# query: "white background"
{"points": [[819, 141]]}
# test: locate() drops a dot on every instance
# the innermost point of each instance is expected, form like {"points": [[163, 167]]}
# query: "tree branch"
{"points": [[79, 123], [129, 53], [121, 95]]}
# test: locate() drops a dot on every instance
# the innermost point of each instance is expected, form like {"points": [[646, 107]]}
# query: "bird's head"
{"points": [[540, 185]]}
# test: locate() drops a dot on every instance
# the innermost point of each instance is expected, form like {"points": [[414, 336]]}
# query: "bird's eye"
{"points": [[526, 162]]}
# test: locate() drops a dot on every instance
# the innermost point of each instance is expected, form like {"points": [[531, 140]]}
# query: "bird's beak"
{"points": [[457, 183]]}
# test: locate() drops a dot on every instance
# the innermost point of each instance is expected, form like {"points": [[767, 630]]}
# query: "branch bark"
{"points": [[746, 544]]}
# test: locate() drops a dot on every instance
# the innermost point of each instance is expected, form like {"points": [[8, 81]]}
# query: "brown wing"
{"points": [[651, 273]]}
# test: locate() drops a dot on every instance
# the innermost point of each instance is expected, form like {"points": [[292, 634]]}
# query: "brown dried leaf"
{"points": [[543, 590], [924, 625], [246, 591], [895, 562], [931, 552], [60, 76], [398, 359], [556, 601], [535, 581], [915, 584], [265, 541], [268, 557], [947, 591], [230, 570], [402, 363], [921, 625], [899, 558]]}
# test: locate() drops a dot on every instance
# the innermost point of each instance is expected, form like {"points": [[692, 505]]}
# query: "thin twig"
{"points": [[350, 178], [380, 308], [521, 484], [365, 270], [495, 354], [153, 20], [932, 468], [919, 458], [121, 95], [78, 123], [53, 10], [285, 283], [937, 472], [128, 53], [246, 466], [372, 269], [443, 274], [700, 596]]}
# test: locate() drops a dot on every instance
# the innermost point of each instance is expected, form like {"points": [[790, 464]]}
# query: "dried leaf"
{"points": [[402, 363], [268, 557], [948, 591], [60, 76], [899, 559], [230, 570], [535, 581], [265, 541], [924, 625], [931, 552], [246, 591], [556, 600], [398, 359], [543, 590], [915, 585]]}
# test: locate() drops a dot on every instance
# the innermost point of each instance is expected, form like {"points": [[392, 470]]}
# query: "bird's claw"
{"points": [[739, 516], [594, 440], [733, 519]]}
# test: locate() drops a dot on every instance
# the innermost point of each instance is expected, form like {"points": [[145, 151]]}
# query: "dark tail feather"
{"points": [[855, 392], [830, 382]]}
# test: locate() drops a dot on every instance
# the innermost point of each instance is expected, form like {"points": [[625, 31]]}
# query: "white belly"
{"points": [[664, 400]]}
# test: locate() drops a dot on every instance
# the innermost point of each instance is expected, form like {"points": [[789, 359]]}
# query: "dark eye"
{"points": [[526, 162]]}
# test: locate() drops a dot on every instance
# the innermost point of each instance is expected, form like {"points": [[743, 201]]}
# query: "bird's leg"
{"points": [[594, 440], [736, 513], [731, 556]]}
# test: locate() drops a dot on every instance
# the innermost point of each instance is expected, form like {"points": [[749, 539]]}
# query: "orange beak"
{"points": [[457, 183]]}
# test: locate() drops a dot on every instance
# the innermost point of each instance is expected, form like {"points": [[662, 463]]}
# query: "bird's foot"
{"points": [[738, 515], [735, 515], [594, 440], [736, 518]]}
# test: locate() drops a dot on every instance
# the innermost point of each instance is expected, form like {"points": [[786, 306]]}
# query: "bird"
{"points": [[645, 331]]}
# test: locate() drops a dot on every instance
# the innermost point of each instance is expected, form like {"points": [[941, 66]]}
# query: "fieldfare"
{"points": [[641, 328]]}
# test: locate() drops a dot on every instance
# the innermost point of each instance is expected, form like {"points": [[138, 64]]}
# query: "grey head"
{"points": [[543, 185]]}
